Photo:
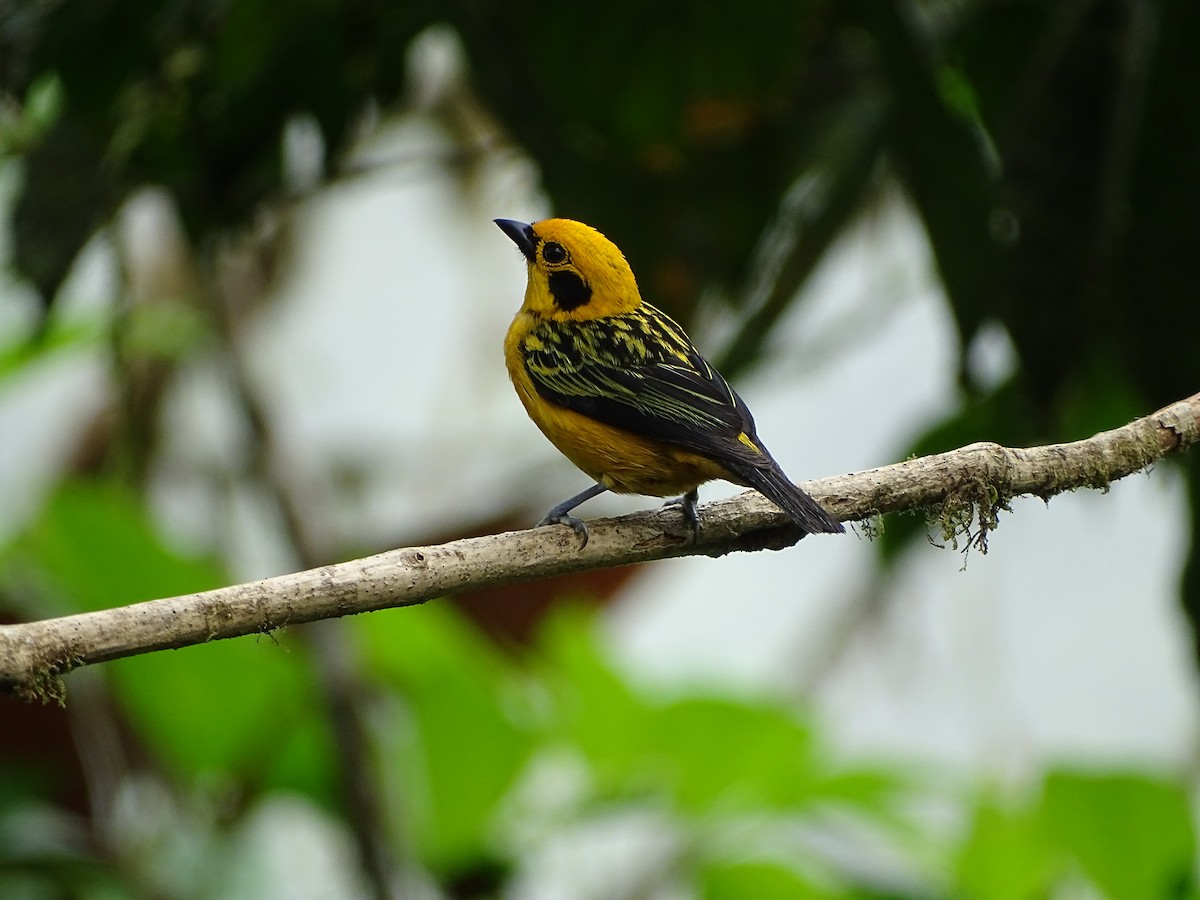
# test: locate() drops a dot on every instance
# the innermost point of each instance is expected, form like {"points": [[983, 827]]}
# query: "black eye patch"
{"points": [[569, 290], [554, 252]]}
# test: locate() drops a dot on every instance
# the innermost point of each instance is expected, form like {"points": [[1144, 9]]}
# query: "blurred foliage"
{"points": [[469, 733], [752, 802], [1049, 148], [93, 547], [1052, 153]]}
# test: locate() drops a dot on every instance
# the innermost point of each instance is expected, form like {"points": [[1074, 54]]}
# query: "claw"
{"points": [[687, 504], [577, 525], [560, 515]]}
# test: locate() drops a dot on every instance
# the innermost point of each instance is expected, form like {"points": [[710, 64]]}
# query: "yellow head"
{"points": [[575, 272]]}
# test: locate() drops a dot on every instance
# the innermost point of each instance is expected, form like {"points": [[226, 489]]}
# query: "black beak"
{"points": [[521, 234]]}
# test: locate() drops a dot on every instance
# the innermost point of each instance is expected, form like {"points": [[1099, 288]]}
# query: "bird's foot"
{"points": [[561, 518], [560, 515], [687, 504]]}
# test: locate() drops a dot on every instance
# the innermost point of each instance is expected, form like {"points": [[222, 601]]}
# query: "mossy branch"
{"points": [[34, 655]]}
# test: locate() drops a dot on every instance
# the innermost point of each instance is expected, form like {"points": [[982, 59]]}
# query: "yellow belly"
{"points": [[620, 460]]}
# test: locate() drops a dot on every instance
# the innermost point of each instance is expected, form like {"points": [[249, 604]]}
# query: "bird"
{"points": [[621, 391]]}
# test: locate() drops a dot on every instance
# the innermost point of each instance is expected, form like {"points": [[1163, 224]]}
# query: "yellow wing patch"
{"points": [[748, 441]]}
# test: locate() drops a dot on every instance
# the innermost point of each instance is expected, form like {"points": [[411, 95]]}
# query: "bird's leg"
{"points": [[560, 514], [687, 503]]}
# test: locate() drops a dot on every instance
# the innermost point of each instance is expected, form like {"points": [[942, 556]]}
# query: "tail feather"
{"points": [[778, 488]]}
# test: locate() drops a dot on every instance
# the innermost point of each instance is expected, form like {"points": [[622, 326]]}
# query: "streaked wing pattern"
{"points": [[641, 373]]}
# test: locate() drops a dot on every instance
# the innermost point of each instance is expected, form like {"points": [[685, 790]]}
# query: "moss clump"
{"points": [[44, 686], [968, 515], [871, 526]]}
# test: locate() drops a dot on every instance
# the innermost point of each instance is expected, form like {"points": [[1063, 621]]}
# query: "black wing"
{"points": [[640, 372]]}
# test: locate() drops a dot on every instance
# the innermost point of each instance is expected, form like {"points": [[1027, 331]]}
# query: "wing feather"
{"points": [[639, 372]]}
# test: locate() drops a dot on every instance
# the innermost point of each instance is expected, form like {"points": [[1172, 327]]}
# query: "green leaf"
{"points": [[42, 107], [302, 757], [247, 707], [1131, 833], [165, 330], [95, 547], [464, 742], [44, 99], [706, 754], [19, 354], [873, 790], [726, 754], [228, 706], [760, 881], [1006, 856], [595, 710]]}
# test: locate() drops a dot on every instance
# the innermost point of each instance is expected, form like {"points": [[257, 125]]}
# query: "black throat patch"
{"points": [[569, 290]]}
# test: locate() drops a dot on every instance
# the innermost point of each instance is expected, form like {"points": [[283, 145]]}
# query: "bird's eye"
{"points": [[554, 253]]}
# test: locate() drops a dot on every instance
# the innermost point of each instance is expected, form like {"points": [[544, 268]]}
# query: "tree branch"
{"points": [[980, 478]]}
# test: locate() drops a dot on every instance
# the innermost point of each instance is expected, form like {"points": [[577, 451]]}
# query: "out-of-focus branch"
{"points": [[332, 657], [966, 488], [813, 212]]}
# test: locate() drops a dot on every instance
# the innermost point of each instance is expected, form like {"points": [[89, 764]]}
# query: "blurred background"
{"points": [[251, 312]]}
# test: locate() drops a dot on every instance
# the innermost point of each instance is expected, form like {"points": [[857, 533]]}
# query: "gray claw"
{"points": [[577, 525], [687, 503]]}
